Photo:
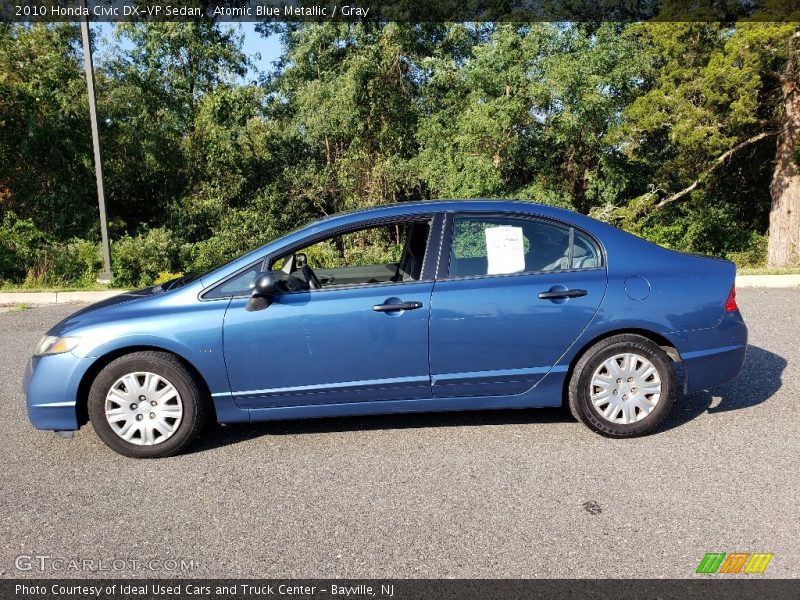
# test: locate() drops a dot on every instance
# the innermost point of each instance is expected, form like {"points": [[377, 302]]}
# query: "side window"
{"points": [[585, 253], [238, 285], [382, 254], [503, 245]]}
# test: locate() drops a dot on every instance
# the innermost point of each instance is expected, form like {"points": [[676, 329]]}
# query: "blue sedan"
{"points": [[431, 306]]}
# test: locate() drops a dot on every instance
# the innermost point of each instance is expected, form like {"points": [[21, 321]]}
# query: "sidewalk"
{"points": [[42, 298], [768, 281]]}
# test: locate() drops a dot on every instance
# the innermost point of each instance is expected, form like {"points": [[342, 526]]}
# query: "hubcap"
{"points": [[143, 408], [625, 388]]}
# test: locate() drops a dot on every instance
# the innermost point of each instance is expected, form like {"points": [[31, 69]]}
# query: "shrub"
{"points": [[165, 276], [240, 231], [20, 244], [755, 255], [138, 261], [75, 263]]}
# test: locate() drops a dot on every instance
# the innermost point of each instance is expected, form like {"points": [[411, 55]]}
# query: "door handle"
{"points": [[562, 294], [393, 307]]}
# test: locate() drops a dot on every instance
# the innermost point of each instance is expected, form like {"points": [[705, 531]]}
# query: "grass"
{"points": [[19, 307]]}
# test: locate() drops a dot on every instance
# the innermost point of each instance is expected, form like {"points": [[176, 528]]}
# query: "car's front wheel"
{"points": [[147, 405], [622, 386]]}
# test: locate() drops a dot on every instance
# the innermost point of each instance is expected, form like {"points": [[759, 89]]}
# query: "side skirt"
{"points": [[547, 394]]}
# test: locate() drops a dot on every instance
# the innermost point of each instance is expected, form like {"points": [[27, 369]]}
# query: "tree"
{"points": [[346, 100], [684, 132], [154, 95], [528, 114], [718, 90], [45, 144], [771, 53]]}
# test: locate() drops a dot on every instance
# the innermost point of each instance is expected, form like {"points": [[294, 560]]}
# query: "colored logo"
{"points": [[734, 562]]}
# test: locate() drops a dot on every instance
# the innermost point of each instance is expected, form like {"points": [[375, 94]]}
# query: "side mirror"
{"points": [[262, 290]]}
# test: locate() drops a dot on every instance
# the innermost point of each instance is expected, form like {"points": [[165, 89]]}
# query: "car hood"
{"points": [[101, 309]]}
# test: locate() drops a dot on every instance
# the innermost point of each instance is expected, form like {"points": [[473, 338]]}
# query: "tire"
{"points": [[629, 399], [171, 416]]}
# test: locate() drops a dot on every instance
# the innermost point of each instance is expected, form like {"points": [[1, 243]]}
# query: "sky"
{"points": [[269, 48], [262, 51]]}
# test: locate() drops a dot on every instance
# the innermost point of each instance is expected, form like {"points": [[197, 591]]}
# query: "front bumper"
{"points": [[51, 386]]}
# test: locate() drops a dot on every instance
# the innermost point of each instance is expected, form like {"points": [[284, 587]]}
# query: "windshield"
{"points": [[177, 282], [195, 275]]}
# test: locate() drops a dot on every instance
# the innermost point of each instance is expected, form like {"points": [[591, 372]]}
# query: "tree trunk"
{"points": [[784, 215]]}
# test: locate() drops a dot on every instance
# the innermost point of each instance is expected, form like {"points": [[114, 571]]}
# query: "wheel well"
{"points": [[663, 342], [100, 363]]}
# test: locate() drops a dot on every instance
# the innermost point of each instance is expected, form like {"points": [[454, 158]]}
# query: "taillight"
{"points": [[730, 303]]}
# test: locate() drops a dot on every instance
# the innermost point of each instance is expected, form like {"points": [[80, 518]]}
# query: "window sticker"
{"points": [[505, 250]]}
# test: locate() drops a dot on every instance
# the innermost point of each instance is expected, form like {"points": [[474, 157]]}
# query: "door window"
{"points": [[505, 245], [387, 253]]}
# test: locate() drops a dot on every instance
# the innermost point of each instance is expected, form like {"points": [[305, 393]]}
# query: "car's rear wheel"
{"points": [[147, 405], [622, 386]]}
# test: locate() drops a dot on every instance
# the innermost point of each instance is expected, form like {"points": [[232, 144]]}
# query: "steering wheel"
{"points": [[311, 278]]}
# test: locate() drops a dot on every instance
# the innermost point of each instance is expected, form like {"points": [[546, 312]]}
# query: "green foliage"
{"points": [[29, 256], [754, 254], [347, 102], [377, 245], [174, 119], [528, 116], [139, 260], [324, 255], [469, 239], [73, 263], [20, 243], [45, 145], [201, 164], [239, 230], [165, 276]]}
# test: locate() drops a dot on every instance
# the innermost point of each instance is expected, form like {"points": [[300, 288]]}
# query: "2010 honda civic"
{"points": [[431, 306]]}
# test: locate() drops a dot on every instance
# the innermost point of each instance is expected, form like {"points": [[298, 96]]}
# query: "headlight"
{"points": [[51, 344]]}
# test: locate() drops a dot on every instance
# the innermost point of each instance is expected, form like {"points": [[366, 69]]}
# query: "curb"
{"points": [[767, 281], [44, 298]]}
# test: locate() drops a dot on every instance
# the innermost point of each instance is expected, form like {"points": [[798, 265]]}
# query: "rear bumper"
{"points": [[712, 356], [51, 385]]}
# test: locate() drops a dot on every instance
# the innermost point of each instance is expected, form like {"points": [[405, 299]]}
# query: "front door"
{"points": [[351, 324], [516, 293]]}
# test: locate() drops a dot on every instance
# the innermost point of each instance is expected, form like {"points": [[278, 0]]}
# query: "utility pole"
{"points": [[105, 276]]}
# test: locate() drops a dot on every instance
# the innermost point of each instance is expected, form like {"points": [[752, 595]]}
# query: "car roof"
{"points": [[468, 205], [448, 205]]}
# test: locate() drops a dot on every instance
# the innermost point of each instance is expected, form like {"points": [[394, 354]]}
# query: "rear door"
{"points": [[513, 293]]}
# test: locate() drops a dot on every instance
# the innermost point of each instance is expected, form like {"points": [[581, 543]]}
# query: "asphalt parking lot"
{"points": [[492, 494]]}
